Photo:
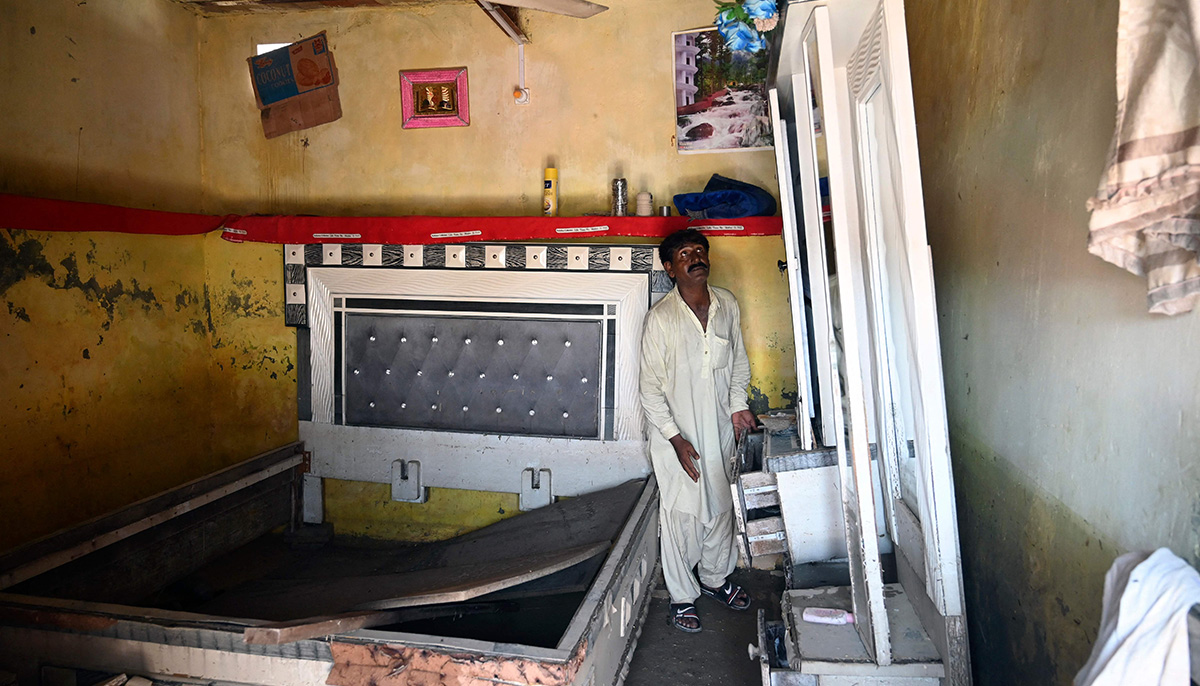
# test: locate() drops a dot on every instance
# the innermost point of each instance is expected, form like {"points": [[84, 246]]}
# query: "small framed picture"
{"points": [[434, 98], [720, 95]]}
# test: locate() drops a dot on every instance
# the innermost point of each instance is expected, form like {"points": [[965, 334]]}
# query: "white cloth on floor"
{"points": [[1143, 627], [692, 380], [686, 542], [1146, 213]]}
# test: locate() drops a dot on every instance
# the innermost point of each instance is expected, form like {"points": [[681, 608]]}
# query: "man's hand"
{"points": [[688, 457], [743, 421]]}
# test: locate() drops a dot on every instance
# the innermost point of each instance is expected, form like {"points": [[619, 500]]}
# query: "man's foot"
{"points": [[730, 594], [683, 617]]}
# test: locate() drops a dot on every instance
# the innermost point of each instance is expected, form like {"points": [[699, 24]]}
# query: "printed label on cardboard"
{"points": [[292, 70]]}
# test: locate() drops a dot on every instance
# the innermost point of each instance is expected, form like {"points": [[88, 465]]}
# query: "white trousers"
{"points": [[686, 544]]}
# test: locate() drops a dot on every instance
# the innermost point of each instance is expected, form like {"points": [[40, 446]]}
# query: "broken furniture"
{"points": [[129, 592], [867, 352]]}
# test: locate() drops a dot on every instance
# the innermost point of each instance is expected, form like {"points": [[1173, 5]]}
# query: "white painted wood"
{"points": [[854, 460], [479, 462], [888, 171], [293, 254], [783, 167], [456, 256], [814, 232], [44, 564], [372, 255], [495, 257], [812, 514], [155, 659], [833, 680], [620, 259], [629, 292]]}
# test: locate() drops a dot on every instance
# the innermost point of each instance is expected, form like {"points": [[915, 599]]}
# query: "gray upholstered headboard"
{"points": [[482, 372], [478, 372]]}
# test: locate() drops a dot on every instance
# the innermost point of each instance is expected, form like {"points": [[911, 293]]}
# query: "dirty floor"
{"points": [[717, 655]]}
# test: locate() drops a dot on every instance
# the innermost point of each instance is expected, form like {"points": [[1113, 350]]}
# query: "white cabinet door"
{"points": [[843, 78], [906, 367], [817, 104]]}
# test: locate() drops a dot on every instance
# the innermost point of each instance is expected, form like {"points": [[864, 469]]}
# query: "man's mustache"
{"points": [[698, 265]]}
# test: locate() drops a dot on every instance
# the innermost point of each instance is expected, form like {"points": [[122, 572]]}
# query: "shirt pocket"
{"points": [[720, 352]]}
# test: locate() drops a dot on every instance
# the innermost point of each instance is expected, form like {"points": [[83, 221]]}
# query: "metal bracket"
{"points": [[406, 482], [535, 489], [312, 498]]}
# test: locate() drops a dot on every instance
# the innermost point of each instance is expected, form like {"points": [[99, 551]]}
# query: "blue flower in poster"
{"points": [[725, 18], [739, 36], [759, 9]]}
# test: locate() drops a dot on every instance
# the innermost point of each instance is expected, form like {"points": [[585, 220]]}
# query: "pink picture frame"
{"points": [[434, 98]]}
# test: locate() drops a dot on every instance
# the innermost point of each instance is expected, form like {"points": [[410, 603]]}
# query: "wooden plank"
{"points": [[279, 633], [72, 543], [643, 516], [132, 569], [765, 536], [759, 489], [284, 600]]}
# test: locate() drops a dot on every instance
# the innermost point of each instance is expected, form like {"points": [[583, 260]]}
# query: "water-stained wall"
{"points": [[129, 364], [1070, 407], [602, 106], [135, 363]]}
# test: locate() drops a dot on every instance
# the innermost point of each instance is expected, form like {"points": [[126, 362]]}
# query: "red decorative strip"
{"points": [[37, 214], [424, 230]]}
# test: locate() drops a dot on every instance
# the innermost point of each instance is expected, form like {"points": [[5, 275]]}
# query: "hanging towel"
{"points": [[1143, 627], [1146, 214]]}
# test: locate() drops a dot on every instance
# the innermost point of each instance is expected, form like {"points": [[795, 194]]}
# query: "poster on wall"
{"points": [[720, 95]]}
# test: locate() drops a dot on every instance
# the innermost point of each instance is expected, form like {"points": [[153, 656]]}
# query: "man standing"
{"points": [[694, 374]]}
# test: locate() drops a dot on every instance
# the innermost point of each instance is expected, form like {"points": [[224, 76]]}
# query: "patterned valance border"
{"points": [[297, 258]]}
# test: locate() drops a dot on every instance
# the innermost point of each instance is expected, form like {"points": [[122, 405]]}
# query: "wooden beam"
{"points": [[580, 9], [294, 600], [279, 633], [506, 19], [71, 544]]}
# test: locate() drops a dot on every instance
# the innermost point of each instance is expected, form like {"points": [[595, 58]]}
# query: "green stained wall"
{"points": [[1070, 407]]}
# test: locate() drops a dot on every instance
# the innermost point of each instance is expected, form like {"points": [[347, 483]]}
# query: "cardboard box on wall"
{"points": [[296, 86]]}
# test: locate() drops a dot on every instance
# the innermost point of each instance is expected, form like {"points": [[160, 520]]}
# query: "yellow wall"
{"points": [[144, 104], [128, 364], [602, 106]]}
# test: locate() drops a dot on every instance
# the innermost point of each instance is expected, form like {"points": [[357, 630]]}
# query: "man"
{"points": [[694, 374]]}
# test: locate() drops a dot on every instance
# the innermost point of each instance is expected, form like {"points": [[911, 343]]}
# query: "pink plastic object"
{"points": [[825, 615]]}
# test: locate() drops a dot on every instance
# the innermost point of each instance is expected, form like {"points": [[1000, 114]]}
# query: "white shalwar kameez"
{"points": [[692, 381]]}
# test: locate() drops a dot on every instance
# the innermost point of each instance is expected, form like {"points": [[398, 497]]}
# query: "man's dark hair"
{"points": [[682, 237]]}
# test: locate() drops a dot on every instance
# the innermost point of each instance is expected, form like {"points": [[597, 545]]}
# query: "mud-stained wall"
{"points": [[601, 107], [1069, 405], [129, 364]]}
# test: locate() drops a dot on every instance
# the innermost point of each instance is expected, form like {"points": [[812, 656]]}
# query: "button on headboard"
{"points": [[505, 375]]}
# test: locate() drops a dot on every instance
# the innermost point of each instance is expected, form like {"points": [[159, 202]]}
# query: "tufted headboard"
{"points": [[520, 376]]}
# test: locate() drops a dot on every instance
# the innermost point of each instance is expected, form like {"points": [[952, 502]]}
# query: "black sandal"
{"points": [[681, 611], [728, 594]]}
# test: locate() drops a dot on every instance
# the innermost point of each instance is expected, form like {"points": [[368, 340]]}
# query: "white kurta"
{"points": [[692, 381]]}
